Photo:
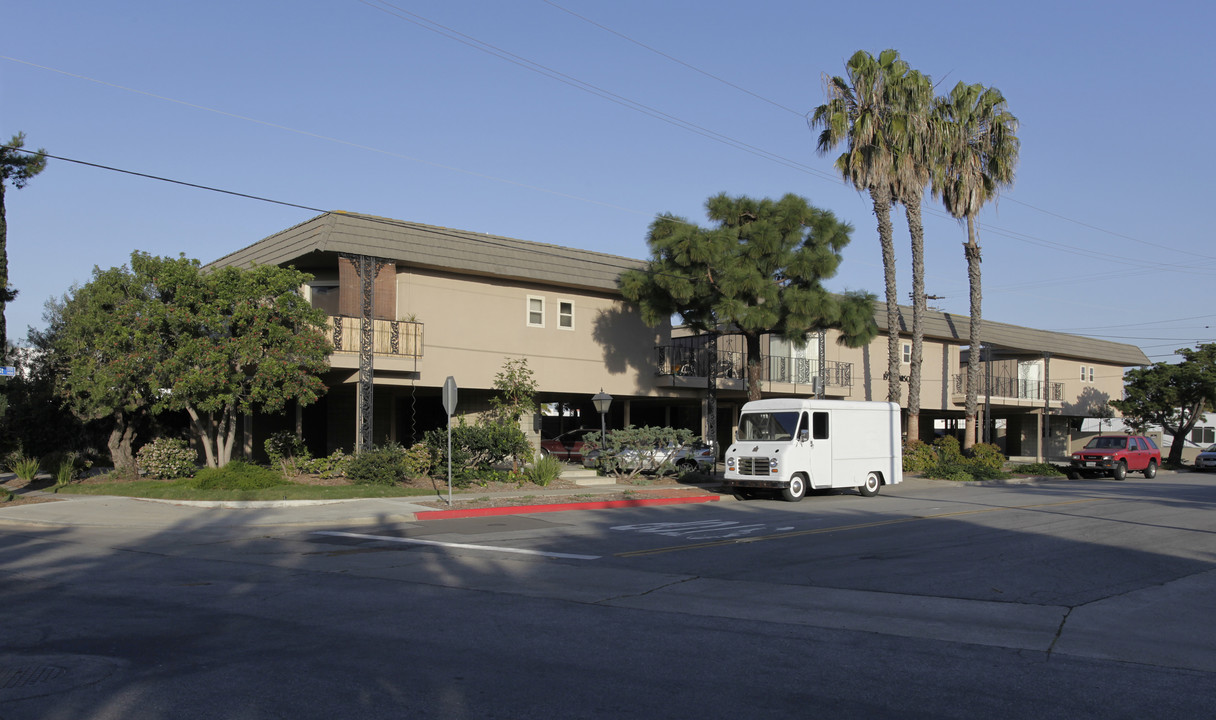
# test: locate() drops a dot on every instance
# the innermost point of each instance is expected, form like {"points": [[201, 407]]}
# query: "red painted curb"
{"points": [[558, 507]]}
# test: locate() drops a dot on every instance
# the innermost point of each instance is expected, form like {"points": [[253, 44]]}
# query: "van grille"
{"points": [[753, 466]]}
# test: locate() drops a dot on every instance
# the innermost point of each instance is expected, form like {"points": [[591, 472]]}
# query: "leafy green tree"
{"points": [[517, 389], [870, 112], [236, 341], [36, 421], [759, 271], [163, 335], [1172, 396], [16, 167], [979, 156], [107, 354]]}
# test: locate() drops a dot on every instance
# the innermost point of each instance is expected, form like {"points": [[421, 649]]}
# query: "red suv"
{"points": [[1115, 455]]}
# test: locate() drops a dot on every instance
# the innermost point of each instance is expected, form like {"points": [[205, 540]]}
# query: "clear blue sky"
{"points": [[362, 106]]}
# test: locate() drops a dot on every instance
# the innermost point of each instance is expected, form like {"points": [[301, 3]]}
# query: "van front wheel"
{"points": [[871, 486], [796, 490]]}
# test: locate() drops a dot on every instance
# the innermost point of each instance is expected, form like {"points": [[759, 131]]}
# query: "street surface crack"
{"points": [[651, 590]]}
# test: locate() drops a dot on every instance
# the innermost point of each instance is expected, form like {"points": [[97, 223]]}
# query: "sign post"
{"points": [[449, 406]]}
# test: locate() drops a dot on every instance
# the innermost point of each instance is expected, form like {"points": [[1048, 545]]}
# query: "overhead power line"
{"points": [[1061, 247], [162, 179], [676, 60]]}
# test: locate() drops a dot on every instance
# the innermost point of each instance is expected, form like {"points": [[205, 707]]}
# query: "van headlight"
{"points": [[773, 465], [730, 462]]}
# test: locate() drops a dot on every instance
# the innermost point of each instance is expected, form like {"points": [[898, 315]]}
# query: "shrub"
{"points": [[26, 467], [963, 471], [11, 459], [918, 456], [167, 459], [948, 450], [287, 451], [545, 469], [382, 465], [628, 450], [1044, 469], [238, 475], [986, 455], [327, 467], [476, 449], [419, 461]]}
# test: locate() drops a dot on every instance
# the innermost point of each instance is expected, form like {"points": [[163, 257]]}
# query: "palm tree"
{"points": [[918, 146], [860, 112], [981, 152]]}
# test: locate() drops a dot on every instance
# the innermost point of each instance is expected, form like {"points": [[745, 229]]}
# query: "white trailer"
{"points": [[796, 444]]}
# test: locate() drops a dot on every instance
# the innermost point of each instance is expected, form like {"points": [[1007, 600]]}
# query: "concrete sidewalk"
{"points": [[113, 511]]}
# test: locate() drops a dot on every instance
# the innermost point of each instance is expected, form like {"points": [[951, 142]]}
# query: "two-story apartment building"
{"points": [[454, 303]]}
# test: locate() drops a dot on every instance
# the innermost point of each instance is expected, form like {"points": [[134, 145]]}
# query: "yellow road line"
{"points": [[839, 528]]}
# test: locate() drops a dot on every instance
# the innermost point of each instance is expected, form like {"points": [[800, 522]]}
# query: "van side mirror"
{"points": [[804, 435]]}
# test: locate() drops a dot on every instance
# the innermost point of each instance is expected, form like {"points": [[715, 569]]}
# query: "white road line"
{"points": [[464, 546]]}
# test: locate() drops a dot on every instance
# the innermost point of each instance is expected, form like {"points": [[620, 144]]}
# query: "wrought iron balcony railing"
{"points": [[399, 338], [1011, 387], [683, 361]]}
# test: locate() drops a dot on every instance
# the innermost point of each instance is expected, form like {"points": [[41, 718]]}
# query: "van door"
{"points": [[820, 445]]}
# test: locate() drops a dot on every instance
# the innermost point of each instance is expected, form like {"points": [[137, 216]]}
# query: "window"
{"points": [[1203, 436], [324, 296], [1091, 373], [1082, 373], [565, 314], [819, 427], [536, 311], [906, 352], [768, 426]]}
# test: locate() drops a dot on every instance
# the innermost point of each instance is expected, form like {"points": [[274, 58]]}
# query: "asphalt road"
{"points": [[933, 600]]}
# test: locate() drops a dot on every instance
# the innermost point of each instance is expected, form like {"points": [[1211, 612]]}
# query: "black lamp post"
{"points": [[601, 402]]}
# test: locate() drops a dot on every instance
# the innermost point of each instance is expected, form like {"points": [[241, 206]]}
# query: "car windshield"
{"points": [[768, 426], [1210, 449], [1107, 443]]}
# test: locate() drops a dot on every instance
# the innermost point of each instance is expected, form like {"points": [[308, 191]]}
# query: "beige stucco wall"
{"points": [[940, 362], [472, 325], [1085, 398]]}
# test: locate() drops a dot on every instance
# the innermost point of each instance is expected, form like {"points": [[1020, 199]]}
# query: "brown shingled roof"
{"points": [[428, 246]]}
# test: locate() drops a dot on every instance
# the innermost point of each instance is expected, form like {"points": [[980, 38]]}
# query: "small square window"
{"points": [[565, 314], [536, 311]]}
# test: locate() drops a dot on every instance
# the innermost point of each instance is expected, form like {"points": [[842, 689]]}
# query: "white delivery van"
{"points": [[796, 444]]}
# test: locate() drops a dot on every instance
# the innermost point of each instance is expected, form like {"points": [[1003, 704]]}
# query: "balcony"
{"points": [[399, 339], [1010, 390], [689, 367]]}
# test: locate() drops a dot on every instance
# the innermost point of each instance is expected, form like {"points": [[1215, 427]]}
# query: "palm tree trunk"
{"points": [[917, 230], [881, 197], [972, 250]]}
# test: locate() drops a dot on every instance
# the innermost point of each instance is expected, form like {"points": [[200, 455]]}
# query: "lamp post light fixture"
{"points": [[601, 402]]}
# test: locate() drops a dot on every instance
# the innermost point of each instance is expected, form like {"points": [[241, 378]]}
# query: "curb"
{"points": [[560, 507]]}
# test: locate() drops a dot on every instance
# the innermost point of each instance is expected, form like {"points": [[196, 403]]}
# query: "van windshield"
{"points": [[768, 425]]}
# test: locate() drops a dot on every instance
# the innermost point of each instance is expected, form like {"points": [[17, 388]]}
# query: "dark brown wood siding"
{"points": [[350, 291]]}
